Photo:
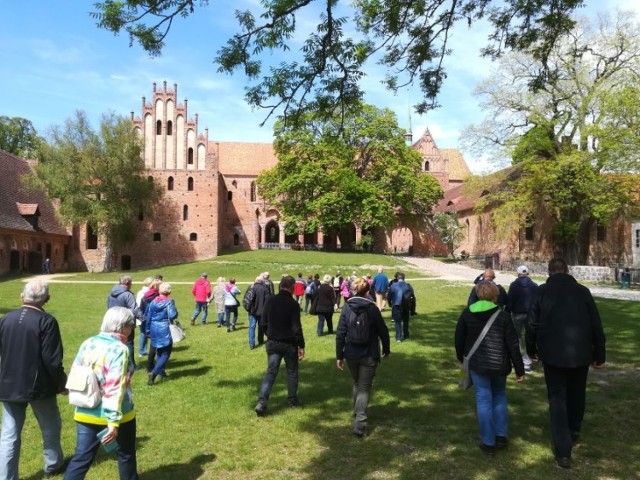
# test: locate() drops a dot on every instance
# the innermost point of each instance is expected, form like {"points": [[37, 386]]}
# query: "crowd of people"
{"points": [[562, 328]]}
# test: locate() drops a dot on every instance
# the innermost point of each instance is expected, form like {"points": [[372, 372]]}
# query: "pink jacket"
{"points": [[201, 290]]}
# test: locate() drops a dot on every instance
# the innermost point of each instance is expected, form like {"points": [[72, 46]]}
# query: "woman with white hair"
{"points": [[108, 355], [161, 313]]}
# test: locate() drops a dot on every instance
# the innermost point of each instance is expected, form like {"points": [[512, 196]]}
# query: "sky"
{"points": [[54, 61]]}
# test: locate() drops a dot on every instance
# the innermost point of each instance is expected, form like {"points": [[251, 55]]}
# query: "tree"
{"points": [[450, 230], [409, 37], [573, 142], [353, 170], [99, 177], [17, 136]]}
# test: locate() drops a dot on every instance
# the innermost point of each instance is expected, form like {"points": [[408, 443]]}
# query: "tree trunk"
{"points": [[108, 253]]}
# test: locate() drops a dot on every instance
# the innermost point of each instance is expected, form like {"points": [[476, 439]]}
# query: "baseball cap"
{"points": [[522, 269]]}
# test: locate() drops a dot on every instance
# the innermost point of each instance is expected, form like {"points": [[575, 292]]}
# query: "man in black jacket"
{"points": [[565, 332], [31, 373], [521, 292], [260, 296], [281, 323]]}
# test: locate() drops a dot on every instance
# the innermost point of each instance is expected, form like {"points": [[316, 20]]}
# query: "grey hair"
{"points": [[116, 319], [125, 280], [35, 291], [164, 287], [147, 281]]}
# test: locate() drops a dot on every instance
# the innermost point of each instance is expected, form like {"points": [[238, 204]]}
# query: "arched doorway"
{"points": [[402, 241], [272, 232]]}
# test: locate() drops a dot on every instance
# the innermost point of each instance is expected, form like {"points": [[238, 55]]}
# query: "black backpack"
{"points": [[358, 326], [247, 301], [408, 300]]}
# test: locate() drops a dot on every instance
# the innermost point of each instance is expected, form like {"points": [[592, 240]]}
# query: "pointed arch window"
{"points": [[190, 156], [426, 166], [229, 196], [159, 127], [185, 212], [254, 192], [236, 239], [92, 238], [190, 184], [170, 183], [169, 127]]}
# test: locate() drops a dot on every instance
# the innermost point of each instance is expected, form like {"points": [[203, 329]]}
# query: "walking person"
{"points": [[381, 285], [162, 313], [520, 294], [218, 299], [285, 340], [359, 345], [231, 304], [31, 373], [565, 333], [121, 296], [336, 281], [108, 355], [397, 296], [299, 288], [140, 299], [202, 293], [324, 303], [310, 291], [490, 364], [256, 309]]}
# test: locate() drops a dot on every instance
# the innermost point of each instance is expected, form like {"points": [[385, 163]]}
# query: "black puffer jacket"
{"points": [[325, 298], [378, 332], [500, 348]]}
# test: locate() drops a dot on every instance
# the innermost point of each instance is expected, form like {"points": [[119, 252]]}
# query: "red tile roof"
{"points": [[17, 200]]}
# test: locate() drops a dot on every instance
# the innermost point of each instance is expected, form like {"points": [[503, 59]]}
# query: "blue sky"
{"points": [[55, 60]]}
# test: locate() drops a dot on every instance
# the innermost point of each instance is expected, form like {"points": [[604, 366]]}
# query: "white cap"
{"points": [[523, 270]]}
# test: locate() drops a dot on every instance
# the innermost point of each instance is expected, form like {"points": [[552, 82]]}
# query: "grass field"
{"points": [[200, 424]]}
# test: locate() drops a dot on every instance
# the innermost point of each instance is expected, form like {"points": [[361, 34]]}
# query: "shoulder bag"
{"points": [[83, 386], [466, 381]]}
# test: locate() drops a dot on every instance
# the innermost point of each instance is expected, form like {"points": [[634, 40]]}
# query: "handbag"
{"points": [[466, 381], [177, 333], [83, 386]]}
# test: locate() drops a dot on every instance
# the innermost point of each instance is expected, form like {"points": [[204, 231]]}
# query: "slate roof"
{"points": [[17, 201]]}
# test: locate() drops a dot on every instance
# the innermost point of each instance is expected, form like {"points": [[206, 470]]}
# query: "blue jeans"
{"points": [[201, 307], [401, 322], [491, 406], [87, 445], [253, 322], [362, 372], [13, 417], [143, 340], [228, 310], [308, 299], [322, 317], [220, 318], [276, 351], [163, 354]]}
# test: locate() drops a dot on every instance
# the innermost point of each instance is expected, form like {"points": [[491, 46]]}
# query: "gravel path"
{"points": [[461, 273]]}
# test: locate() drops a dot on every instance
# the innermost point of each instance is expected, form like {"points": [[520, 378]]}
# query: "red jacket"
{"points": [[201, 290], [298, 288]]}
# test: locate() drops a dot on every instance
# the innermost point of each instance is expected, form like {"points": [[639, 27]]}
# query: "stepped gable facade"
{"points": [[29, 229]]}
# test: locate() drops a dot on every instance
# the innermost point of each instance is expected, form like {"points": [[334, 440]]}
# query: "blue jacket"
{"points": [[381, 282], [396, 292], [160, 313], [521, 292]]}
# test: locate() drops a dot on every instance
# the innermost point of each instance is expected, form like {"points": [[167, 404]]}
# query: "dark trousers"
{"points": [[566, 389], [362, 372], [276, 351]]}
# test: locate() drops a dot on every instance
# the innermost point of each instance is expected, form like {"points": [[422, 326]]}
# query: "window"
{"points": [[169, 127], [185, 212], [528, 232], [601, 233], [190, 156], [157, 237], [637, 238], [229, 196], [140, 213], [190, 184], [426, 166], [159, 127], [65, 253], [92, 239], [236, 239], [253, 192], [193, 237], [170, 183]]}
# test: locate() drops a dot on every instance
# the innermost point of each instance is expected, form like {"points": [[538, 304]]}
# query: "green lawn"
{"points": [[200, 424]]}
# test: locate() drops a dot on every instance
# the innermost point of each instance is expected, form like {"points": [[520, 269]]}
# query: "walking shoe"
{"points": [[219, 325], [563, 462], [260, 409], [360, 431], [228, 330], [488, 449], [58, 471], [152, 379], [501, 442], [294, 403], [193, 322]]}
